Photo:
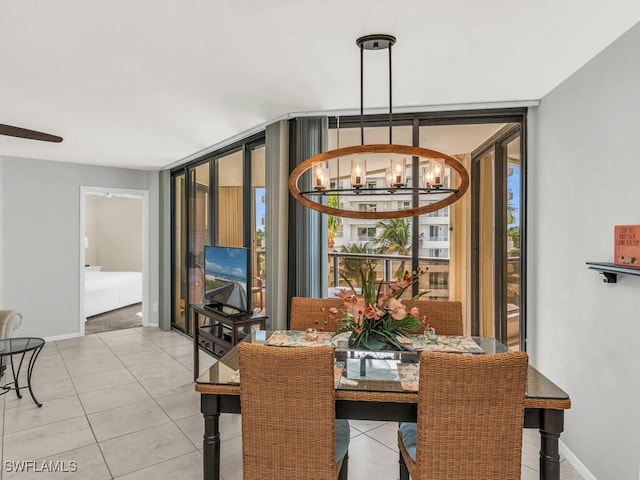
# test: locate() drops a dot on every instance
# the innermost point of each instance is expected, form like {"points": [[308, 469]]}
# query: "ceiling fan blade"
{"points": [[29, 134]]}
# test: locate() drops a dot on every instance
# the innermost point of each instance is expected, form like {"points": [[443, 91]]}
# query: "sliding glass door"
{"points": [[179, 284], [497, 257], [218, 200], [258, 229]]}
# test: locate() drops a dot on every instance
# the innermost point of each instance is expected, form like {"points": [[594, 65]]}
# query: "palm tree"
{"points": [[333, 222], [395, 237], [511, 217], [351, 267]]}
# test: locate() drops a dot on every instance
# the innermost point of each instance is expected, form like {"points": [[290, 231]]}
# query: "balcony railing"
{"points": [[385, 268]]}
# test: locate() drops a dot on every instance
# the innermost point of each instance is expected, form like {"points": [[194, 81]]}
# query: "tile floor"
{"points": [[122, 405]]}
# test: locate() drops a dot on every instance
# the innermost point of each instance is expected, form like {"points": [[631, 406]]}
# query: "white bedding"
{"points": [[105, 291]]}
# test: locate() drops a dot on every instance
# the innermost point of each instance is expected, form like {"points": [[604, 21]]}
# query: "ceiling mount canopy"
{"points": [[378, 41], [379, 173]]}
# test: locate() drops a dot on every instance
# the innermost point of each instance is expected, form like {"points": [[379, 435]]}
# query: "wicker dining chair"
{"points": [[289, 430], [445, 316], [470, 418], [305, 312]]}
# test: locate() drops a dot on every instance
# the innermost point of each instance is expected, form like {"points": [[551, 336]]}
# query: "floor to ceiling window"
{"points": [[385, 246], [179, 284], [258, 229], [498, 200], [218, 200], [441, 242], [472, 250]]}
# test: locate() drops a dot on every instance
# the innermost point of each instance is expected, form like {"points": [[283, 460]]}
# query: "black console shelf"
{"points": [[216, 332], [610, 271]]}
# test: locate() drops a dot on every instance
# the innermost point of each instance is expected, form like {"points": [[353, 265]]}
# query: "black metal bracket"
{"points": [[610, 271], [608, 277]]}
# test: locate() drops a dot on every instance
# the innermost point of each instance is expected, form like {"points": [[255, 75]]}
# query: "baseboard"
{"points": [[63, 337], [575, 462]]}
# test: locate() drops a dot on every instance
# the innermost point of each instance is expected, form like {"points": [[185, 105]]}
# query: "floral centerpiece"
{"points": [[376, 320]]}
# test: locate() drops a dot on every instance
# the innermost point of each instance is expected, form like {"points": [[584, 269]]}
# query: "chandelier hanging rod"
{"points": [[375, 42]]}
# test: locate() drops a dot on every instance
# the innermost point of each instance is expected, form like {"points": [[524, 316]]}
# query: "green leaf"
{"points": [[374, 344]]}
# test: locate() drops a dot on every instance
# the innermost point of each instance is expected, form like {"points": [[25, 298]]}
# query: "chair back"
{"points": [[287, 398], [470, 416], [445, 316], [10, 320], [305, 312]]}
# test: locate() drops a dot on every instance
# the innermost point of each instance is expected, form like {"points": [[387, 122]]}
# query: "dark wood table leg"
{"points": [[551, 427], [210, 408], [404, 471]]}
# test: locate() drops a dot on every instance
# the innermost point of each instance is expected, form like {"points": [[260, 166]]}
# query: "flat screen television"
{"points": [[226, 278]]}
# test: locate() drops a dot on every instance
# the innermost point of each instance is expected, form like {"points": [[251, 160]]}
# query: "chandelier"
{"points": [[379, 170]]}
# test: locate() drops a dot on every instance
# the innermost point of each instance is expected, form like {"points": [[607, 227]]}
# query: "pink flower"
{"points": [[414, 312], [370, 312], [333, 313], [373, 312], [397, 309]]}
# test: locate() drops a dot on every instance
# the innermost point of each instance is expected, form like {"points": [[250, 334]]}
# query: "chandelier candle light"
{"points": [[320, 177], [430, 181]]}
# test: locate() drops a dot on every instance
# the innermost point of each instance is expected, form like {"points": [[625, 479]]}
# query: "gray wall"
{"points": [[583, 177], [41, 239]]}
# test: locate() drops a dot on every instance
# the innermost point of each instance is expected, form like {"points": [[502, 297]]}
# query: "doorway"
{"points": [[113, 259]]}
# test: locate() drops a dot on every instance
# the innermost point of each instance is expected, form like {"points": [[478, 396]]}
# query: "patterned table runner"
{"points": [[292, 338], [447, 344], [408, 373]]}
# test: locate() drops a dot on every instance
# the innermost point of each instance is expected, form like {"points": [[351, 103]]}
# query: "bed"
{"points": [[106, 291]]}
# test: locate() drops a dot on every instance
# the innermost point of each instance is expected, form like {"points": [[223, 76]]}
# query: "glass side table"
{"points": [[19, 346]]}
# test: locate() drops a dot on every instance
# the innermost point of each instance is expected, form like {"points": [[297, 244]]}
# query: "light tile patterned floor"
{"points": [[122, 405]]}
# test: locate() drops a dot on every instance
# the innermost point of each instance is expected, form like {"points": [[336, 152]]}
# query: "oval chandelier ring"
{"points": [[431, 181], [304, 196]]}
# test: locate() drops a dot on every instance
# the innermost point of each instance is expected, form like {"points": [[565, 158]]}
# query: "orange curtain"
{"points": [[230, 219]]}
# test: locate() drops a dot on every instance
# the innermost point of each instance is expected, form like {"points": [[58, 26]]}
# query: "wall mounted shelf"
{"points": [[610, 271]]}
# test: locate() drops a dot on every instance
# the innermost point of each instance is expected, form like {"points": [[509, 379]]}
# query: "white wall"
{"points": [[41, 239], [584, 174], [114, 228], [90, 251]]}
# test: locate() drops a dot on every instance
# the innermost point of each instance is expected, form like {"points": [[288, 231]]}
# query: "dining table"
{"points": [[378, 386]]}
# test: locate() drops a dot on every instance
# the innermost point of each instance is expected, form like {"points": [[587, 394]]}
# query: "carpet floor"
{"points": [[126, 317]]}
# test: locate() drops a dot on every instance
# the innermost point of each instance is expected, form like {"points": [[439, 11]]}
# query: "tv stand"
{"points": [[221, 309], [216, 332]]}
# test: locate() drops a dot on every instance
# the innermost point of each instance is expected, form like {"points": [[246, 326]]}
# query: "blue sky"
{"points": [[513, 185], [227, 262], [260, 208]]}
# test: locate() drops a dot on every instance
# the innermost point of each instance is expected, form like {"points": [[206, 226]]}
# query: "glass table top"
{"points": [[386, 371], [19, 344]]}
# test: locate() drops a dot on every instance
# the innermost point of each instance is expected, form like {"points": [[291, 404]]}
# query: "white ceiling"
{"points": [[143, 84]]}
